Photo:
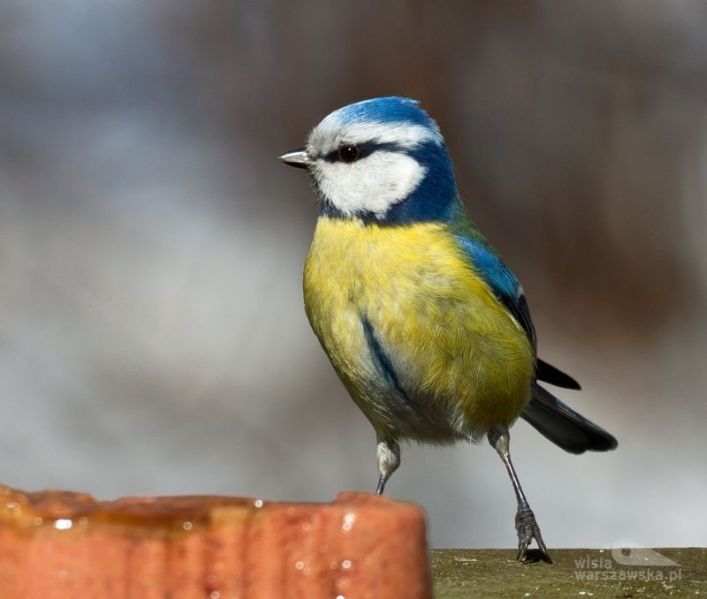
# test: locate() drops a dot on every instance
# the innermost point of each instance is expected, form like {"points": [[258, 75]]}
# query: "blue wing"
{"points": [[509, 292], [502, 281]]}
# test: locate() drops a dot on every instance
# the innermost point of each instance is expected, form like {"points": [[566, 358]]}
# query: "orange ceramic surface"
{"points": [[56, 545]]}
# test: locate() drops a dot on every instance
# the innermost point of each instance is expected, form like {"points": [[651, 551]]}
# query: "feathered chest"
{"points": [[410, 282], [370, 268]]}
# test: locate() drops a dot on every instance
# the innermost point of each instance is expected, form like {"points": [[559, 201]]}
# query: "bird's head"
{"points": [[381, 160]]}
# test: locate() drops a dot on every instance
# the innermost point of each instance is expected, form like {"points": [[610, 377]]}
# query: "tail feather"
{"points": [[563, 426]]}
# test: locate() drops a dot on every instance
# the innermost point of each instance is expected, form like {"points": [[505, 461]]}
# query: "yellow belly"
{"points": [[464, 363]]}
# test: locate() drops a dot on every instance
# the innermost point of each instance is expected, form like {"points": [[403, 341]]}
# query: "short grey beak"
{"points": [[297, 158]]}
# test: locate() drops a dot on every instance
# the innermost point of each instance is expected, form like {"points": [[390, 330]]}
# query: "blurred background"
{"points": [[152, 334]]}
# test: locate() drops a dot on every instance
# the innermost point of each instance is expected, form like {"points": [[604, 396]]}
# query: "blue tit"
{"points": [[426, 327]]}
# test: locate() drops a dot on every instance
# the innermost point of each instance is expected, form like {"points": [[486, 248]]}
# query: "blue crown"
{"points": [[391, 109]]}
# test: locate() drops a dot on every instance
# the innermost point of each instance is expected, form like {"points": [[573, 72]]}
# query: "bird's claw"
{"points": [[528, 529]]}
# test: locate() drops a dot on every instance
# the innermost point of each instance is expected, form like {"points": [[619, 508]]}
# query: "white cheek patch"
{"points": [[372, 184]]}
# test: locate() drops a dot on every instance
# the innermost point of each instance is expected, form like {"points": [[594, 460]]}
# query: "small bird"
{"points": [[426, 327]]}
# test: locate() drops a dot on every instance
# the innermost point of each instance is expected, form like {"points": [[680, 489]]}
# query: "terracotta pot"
{"points": [[61, 545]]}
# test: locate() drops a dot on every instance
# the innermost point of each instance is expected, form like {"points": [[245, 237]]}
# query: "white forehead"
{"points": [[335, 130]]}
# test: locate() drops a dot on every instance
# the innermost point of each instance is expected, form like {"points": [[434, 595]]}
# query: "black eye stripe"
{"points": [[365, 149]]}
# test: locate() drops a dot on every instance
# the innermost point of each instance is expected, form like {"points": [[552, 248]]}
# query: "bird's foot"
{"points": [[528, 529]]}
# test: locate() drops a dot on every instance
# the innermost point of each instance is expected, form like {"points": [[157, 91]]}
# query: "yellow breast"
{"points": [[459, 354]]}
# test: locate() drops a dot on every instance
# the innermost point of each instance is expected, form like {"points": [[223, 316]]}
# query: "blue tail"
{"points": [[563, 426]]}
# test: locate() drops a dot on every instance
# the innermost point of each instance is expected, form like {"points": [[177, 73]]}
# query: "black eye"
{"points": [[348, 153]]}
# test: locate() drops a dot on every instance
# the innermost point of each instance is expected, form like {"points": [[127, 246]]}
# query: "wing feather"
{"points": [[509, 292]]}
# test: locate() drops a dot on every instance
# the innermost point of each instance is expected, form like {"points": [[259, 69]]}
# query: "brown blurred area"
{"points": [[152, 337]]}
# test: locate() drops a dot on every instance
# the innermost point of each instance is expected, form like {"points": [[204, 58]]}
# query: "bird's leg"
{"points": [[526, 526], [388, 452]]}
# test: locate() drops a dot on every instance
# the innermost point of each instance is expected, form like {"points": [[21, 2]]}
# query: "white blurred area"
{"points": [[152, 335]]}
